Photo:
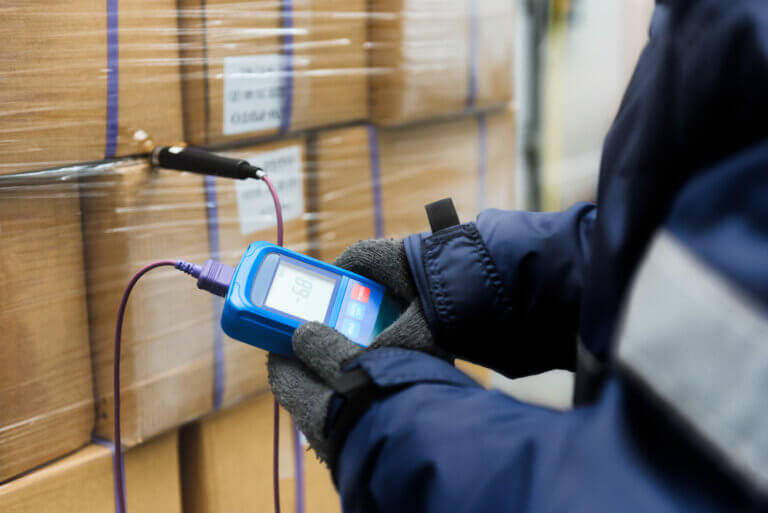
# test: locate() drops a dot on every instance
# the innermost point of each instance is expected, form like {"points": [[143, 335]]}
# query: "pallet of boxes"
{"points": [[360, 111]]}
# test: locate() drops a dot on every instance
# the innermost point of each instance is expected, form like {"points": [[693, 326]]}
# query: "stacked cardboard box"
{"points": [[83, 482], [46, 397], [258, 68], [227, 464], [342, 180], [133, 215], [376, 181], [468, 159], [433, 58], [74, 88]]}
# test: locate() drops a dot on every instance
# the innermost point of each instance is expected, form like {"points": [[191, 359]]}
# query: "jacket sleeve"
{"points": [[504, 291], [441, 443]]}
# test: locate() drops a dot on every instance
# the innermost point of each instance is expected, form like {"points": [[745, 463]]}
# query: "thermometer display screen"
{"points": [[300, 292]]}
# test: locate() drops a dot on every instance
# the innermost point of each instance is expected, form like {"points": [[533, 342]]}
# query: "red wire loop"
{"points": [[278, 209]]}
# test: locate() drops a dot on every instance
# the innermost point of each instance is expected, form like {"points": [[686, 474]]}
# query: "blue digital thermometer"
{"points": [[274, 290]]}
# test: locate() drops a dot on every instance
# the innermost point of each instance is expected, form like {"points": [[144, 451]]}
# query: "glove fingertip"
{"points": [[277, 367], [306, 336], [362, 254], [323, 349], [314, 342], [349, 262]]}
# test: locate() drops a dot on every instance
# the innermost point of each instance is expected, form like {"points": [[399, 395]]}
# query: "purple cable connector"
{"points": [[212, 276]]}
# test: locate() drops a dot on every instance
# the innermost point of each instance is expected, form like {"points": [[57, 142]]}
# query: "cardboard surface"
{"points": [[227, 464], [239, 65], [54, 87], [133, 215], [438, 57], [46, 394], [342, 177], [83, 482], [470, 159]]}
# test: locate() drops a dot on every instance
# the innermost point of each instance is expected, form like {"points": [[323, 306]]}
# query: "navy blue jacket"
{"points": [[519, 291]]}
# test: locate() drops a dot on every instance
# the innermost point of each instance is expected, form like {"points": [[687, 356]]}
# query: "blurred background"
{"points": [[573, 60]]}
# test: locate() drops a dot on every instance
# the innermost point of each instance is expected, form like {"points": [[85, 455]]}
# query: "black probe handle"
{"points": [[196, 160]]}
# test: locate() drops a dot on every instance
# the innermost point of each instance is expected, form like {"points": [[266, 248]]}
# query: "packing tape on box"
{"points": [[214, 246], [286, 11], [113, 78], [482, 166], [472, 76], [373, 145]]}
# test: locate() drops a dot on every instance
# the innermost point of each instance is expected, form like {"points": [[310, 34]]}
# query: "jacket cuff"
{"points": [[413, 252], [393, 367], [375, 375], [459, 295]]}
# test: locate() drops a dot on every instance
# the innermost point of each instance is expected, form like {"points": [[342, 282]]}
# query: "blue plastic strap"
{"points": [[472, 56], [373, 144], [212, 210], [482, 166], [113, 79], [286, 10]]}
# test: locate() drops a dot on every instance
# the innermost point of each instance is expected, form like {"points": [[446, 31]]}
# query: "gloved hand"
{"points": [[384, 261], [304, 387]]}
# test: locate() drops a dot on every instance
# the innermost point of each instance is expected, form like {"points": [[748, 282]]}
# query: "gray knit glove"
{"points": [[304, 386], [384, 261]]}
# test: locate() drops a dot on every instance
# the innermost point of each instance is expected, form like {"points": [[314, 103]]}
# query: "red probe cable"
{"points": [[276, 435]]}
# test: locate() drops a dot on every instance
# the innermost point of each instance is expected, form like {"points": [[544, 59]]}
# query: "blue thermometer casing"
{"points": [[274, 290]]}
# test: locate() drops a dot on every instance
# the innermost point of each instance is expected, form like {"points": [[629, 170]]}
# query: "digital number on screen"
{"points": [[300, 292]]}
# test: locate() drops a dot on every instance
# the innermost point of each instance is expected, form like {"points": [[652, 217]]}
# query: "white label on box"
{"points": [[255, 208], [254, 88]]}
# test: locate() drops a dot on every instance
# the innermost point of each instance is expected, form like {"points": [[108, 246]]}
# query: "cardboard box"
{"points": [[46, 394], [431, 58], [83, 482], [134, 215], [246, 214], [341, 178], [226, 462], [470, 159], [253, 68], [59, 102]]}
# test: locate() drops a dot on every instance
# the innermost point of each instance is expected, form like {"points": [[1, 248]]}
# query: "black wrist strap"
{"points": [[359, 392], [442, 214]]}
